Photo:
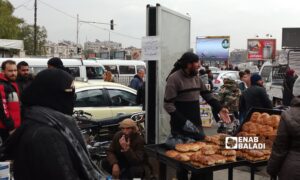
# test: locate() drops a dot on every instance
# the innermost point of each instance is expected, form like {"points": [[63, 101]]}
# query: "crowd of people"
{"points": [[37, 129], [42, 138]]}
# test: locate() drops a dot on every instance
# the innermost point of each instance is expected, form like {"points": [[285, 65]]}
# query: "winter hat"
{"points": [[255, 78], [186, 58], [290, 72], [128, 123], [296, 88], [55, 62]]}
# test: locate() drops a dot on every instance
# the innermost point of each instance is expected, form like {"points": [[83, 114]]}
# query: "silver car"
{"points": [[220, 75]]}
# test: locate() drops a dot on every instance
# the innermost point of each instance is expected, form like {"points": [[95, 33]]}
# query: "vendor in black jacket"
{"points": [[255, 96], [182, 93]]}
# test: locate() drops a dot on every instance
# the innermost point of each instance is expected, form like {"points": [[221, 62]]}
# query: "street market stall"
{"points": [[211, 154]]}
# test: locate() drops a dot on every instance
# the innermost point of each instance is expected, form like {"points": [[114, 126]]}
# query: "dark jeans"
{"points": [[127, 172], [182, 174], [215, 114], [242, 117], [4, 134]]}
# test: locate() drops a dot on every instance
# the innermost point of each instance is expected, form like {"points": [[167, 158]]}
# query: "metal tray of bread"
{"points": [[159, 150]]}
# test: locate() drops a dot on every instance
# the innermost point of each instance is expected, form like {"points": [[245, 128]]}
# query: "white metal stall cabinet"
{"points": [[173, 30]]}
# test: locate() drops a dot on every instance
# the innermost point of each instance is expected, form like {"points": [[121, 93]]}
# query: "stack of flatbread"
{"points": [[202, 154], [261, 125], [254, 155]]}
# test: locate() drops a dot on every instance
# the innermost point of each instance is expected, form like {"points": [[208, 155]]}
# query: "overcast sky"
{"points": [[241, 19]]}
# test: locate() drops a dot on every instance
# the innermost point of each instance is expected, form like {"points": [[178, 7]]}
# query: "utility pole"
{"points": [[77, 30], [35, 28]]}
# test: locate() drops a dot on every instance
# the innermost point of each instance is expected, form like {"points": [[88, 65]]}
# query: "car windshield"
{"points": [[94, 72]]}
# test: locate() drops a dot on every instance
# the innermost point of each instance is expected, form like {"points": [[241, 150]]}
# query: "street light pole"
{"points": [[77, 32], [35, 28]]}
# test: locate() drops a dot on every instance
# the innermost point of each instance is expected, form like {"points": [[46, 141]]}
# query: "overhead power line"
{"points": [[74, 17], [52, 7], [24, 4]]}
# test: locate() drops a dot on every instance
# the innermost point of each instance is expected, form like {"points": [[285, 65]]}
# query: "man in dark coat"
{"points": [[49, 145], [255, 96], [24, 78], [140, 96], [126, 155], [287, 94], [137, 81], [244, 78], [285, 157]]}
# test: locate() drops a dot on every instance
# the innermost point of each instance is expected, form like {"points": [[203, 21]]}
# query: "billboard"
{"points": [[261, 49], [290, 38], [213, 47]]}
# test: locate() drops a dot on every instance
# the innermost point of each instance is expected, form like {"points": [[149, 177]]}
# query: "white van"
{"points": [[273, 76], [123, 70], [79, 68]]}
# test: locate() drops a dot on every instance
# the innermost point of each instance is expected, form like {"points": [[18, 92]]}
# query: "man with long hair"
{"points": [[182, 94]]}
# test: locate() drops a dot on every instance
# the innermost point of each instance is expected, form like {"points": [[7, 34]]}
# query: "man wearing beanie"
{"points": [[126, 156], [181, 101], [255, 96]]}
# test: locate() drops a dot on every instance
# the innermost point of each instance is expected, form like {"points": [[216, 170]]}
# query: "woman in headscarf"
{"points": [[56, 62], [49, 144], [288, 84]]}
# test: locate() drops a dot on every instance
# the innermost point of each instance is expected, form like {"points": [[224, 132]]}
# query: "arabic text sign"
{"points": [[150, 48]]}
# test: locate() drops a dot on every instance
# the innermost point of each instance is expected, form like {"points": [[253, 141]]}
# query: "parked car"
{"points": [[220, 75], [105, 99], [214, 69]]}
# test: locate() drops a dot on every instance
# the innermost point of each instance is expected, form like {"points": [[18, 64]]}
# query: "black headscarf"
{"points": [[51, 88], [57, 63], [186, 58]]}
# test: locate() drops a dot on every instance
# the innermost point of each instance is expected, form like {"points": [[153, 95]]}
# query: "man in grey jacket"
{"points": [[182, 93]]}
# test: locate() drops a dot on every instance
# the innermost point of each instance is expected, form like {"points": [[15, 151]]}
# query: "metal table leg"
{"points": [[230, 173], [162, 171], [252, 172]]}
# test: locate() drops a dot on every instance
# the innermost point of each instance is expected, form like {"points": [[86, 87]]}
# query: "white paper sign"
{"points": [[150, 48]]}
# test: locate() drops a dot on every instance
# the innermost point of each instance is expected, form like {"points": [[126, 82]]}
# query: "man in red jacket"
{"points": [[10, 116]]}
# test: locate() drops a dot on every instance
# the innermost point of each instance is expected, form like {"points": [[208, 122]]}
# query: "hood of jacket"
{"points": [[3, 78]]}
